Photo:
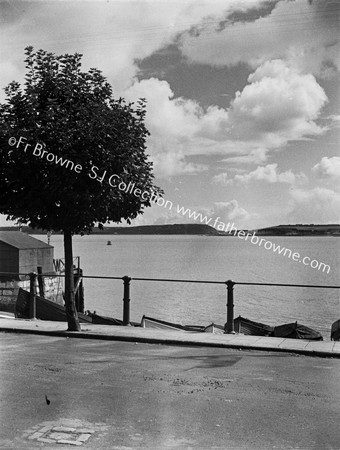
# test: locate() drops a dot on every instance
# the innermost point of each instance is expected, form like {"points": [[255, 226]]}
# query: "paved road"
{"points": [[158, 397]]}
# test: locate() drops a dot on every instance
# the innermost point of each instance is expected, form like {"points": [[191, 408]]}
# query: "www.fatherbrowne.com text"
{"points": [[114, 181]]}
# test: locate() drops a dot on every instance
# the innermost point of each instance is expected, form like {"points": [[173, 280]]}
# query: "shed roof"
{"points": [[22, 240]]}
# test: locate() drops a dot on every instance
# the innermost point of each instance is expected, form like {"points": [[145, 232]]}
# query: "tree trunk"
{"points": [[70, 306]]}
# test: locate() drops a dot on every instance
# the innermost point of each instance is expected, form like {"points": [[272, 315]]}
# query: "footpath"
{"points": [[328, 349]]}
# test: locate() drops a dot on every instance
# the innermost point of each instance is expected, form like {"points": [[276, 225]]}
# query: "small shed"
{"points": [[21, 253]]}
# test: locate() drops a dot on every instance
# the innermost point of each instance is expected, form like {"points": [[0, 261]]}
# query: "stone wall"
{"points": [[53, 287]]}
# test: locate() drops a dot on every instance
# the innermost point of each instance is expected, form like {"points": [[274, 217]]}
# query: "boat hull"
{"points": [[251, 328], [335, 331], [103, 320], [45, 309], [297, 331], [149, 322]]}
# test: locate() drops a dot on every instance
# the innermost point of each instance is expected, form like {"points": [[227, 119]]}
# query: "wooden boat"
{"points": [[45, 309], [149, 322], [335, 331], [249, 327], [103, 320], [297, 331], [214, 328]]}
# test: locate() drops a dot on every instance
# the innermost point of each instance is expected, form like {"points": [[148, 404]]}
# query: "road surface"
{"points": [[159, 397]]}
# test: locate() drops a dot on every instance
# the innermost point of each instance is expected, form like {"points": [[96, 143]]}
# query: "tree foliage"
{"points": [[73, 115]]}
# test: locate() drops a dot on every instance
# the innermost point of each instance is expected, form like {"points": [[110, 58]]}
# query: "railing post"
{"points": [[41, 282], [229, 326], [126, 300], [33, 310]]}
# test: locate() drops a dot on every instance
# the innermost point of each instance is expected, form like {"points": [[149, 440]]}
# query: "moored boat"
{"points": [[149, 322], [214, 328], [103, 320], [297, 331], [249, 327], [45, 309], [335, 331]]}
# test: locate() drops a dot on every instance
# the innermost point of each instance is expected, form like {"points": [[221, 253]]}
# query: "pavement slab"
{"points": [[294, 344]]}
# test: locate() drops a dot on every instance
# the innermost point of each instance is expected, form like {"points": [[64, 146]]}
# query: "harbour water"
{"points": [[209, 258]]}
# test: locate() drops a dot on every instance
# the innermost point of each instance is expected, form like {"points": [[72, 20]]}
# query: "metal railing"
{"points": [[229, 325]]}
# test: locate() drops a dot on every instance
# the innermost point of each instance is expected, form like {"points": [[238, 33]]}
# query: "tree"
{"points": [[67, 149]]}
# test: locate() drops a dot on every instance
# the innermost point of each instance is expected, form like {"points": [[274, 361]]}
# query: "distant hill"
{"points": [[206, 230], [189, 228], [300, 230]]}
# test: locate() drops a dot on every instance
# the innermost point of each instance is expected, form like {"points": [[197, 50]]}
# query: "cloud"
{"points": [[335, 120], [172, 162], [221, 178], [300, 32], [318, 205], [175, 117], [178, 126], [255, 156], [278, 105], [328, 168], [111, 35], [268, 173], [229, 211]]}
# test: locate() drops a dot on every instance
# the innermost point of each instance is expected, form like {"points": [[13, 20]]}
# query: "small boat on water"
{"points": [[335, 331], [109, 243], [251, 328], [297, 331]]}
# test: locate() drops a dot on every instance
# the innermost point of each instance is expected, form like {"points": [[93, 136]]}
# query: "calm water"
{"points": [[209, 258]]}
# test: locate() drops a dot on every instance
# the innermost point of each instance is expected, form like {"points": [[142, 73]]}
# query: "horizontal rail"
{"points": [[52, 274], [287, 285], [16, 273], [101, 277], [180, 280]]}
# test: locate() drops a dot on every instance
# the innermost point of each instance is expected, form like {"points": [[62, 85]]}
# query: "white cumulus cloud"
{"points": [[328, 167], [177, 126], [268, 173], [279, 104], [318, 205]]}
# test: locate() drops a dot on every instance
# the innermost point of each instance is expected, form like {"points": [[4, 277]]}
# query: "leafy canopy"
{"points": [[73, 115]]}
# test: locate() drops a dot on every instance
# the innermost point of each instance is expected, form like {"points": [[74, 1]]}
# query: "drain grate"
{"points": [[63, 433]]}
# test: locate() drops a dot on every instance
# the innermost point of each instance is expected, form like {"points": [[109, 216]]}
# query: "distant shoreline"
{"points": [[329, 230]]}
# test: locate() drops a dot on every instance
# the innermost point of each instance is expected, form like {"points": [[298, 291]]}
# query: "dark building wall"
{"points": [[9, 258]]}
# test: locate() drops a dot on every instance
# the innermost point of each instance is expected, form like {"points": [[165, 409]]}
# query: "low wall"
{"points": [[53, 289]]}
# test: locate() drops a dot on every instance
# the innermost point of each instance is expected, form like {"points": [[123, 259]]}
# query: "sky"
{"points": [[242, 96]]}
